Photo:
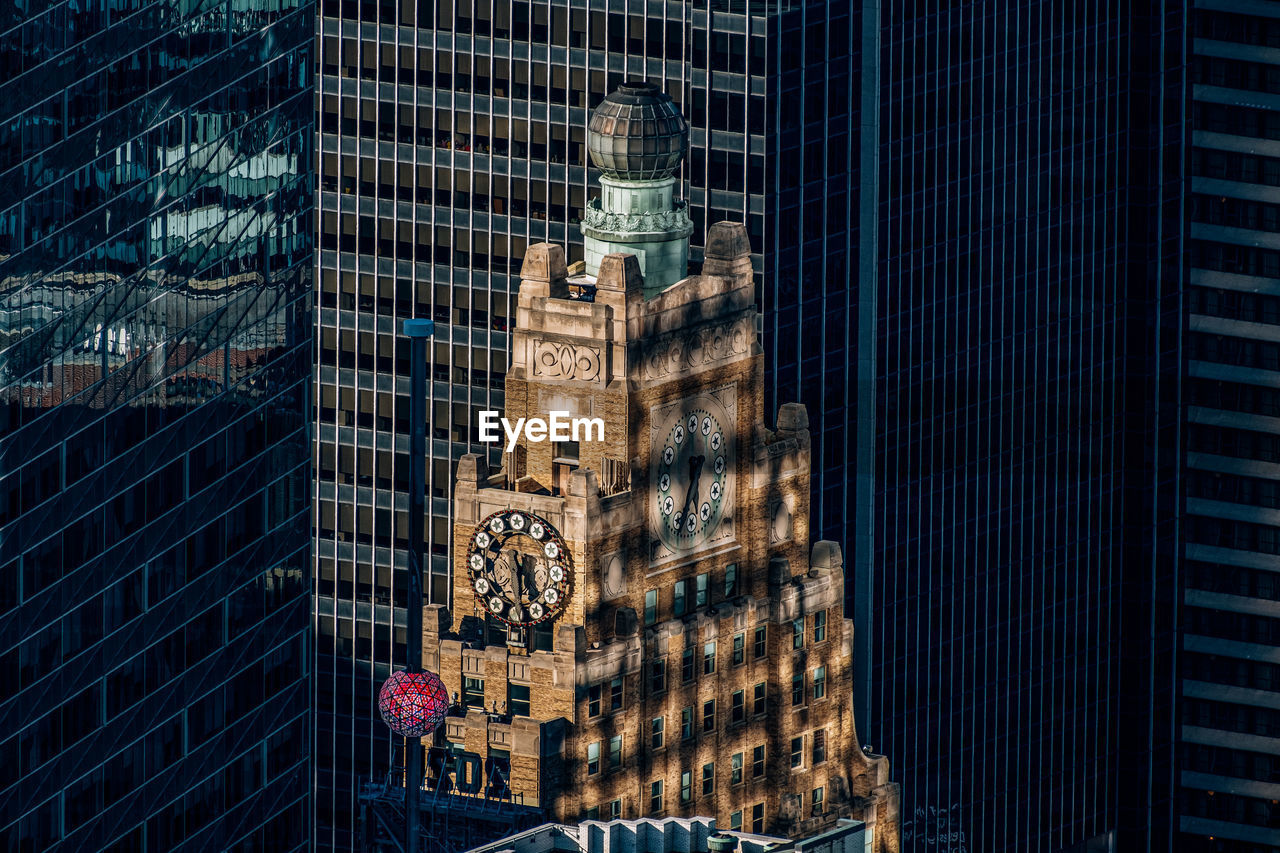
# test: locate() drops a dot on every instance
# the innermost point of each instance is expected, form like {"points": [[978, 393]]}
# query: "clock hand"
{"points": [[491, 567], [517, 575], [688, 491], [695, 474]]}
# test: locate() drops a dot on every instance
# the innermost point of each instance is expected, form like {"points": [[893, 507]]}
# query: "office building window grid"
{"points": [[451, 139], [1229, 487]]}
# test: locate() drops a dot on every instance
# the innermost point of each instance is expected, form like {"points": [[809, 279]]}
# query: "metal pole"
{"points": [[418, 331]]}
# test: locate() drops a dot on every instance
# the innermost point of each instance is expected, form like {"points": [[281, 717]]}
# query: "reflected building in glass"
{"points": [[155, 363], [452, 137]]}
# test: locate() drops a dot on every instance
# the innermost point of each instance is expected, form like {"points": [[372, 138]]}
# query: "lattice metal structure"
{"points": [[451, 822]]}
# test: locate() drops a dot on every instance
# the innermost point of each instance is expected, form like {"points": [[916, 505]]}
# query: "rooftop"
{"points": [[672, 835]]}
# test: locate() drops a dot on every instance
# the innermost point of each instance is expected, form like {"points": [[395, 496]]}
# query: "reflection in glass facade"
{"points": [[452, 137], [155, 359]]}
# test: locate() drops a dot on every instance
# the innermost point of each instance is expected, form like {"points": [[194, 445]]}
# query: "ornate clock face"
{"points": [[693, 464], [519, 566]]}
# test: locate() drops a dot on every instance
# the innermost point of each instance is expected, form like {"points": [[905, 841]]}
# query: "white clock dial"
{"points": [[691, 469]]}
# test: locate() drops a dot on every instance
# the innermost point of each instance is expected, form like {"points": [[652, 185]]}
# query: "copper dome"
{"points": [[637, 133]]}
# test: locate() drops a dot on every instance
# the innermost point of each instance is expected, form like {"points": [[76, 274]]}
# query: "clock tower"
{"points": [[640, 625]]}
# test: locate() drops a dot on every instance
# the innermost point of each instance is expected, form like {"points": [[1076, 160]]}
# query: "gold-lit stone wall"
{"points": [[621, 358]]}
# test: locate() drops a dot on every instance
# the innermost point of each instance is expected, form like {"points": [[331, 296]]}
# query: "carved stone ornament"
{"points": [[612, 576], [780, 522], [673, 354], [635, 223], [555, 360]]}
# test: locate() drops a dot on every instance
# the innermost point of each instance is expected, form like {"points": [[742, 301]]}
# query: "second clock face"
{"points": [[693, 450], [519, 566]]}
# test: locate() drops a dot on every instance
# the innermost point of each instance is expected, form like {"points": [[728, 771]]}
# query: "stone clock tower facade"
{"points": [[640, 624]]}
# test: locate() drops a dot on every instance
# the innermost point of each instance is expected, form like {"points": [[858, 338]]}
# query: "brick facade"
{"points": [[621, 358]]}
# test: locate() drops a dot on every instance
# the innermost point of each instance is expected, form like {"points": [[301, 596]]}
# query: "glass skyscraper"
{"points": [[1017, 376], [156, 251], [452, 138], [1077, 325]]}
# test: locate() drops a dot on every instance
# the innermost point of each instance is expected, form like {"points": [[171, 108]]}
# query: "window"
{"points": [[593, 700], [709, 715], [677, 606], [816, 799], [686, 666], [593, 758], [738, 706], [473, 692], [757, 762], [650, 606], [709, 658], [797, 689], [731, 580], [615, 752], [656, 732], [797, 751], [615, 694], [542, 638], [592, 813], [615, 809], [657, 676], [819, 626], [735, 821], [701, 583], [757, 818], [686, 786], [739, 649], [735, 769], [708, 778], [655, 796], [686, 723], [518, 700], [820, 682], [760, 644], [797, 633], [757, 699], [819, 746]]}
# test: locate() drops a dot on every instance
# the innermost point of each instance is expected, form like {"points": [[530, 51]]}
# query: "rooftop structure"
{"points": [[637, 138], [637, 133], [673, 835]]}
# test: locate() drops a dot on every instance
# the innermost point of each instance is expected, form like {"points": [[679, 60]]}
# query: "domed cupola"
{"points": [[637, 138], [637, 134]]}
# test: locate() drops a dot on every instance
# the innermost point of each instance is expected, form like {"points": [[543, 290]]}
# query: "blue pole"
{"points": [[418, 331]]}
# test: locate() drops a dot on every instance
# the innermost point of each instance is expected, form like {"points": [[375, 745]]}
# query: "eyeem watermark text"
{"points": [[559, 427]]}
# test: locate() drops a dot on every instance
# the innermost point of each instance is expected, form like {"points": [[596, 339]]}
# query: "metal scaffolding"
{"points": [[451, 822]]}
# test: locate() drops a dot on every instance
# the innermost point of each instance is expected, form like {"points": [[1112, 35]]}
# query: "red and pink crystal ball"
{"points": [[413, 704]]}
